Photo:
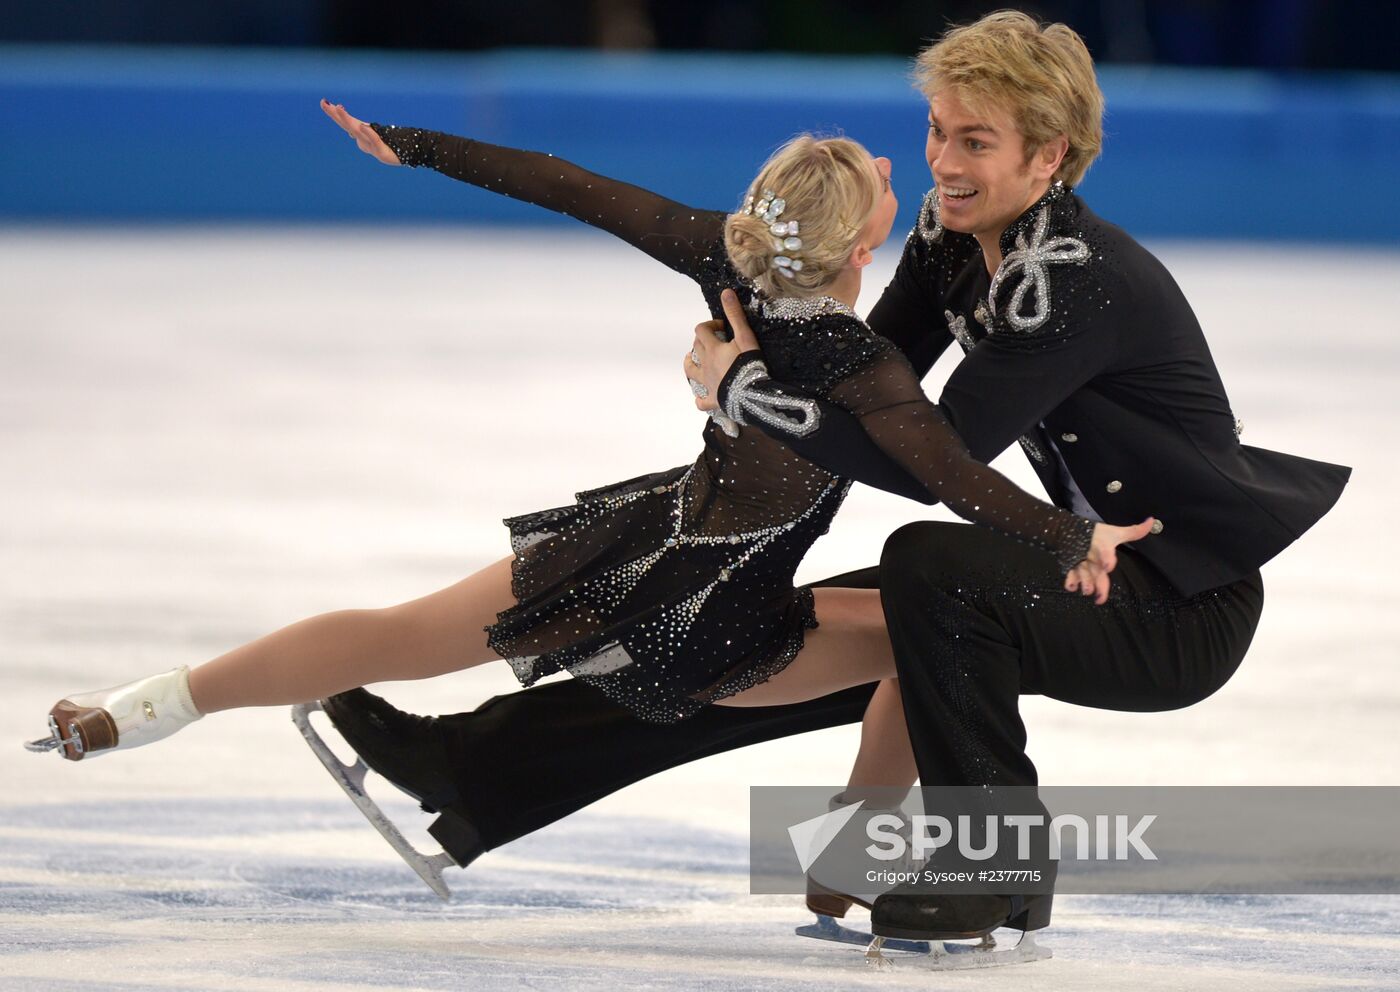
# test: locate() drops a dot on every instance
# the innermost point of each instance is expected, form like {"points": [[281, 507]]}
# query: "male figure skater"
{"points": [[1079, 345]]}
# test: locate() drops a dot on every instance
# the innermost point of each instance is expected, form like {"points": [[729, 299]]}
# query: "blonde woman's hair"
{"points": [[830, 188], [1039, 73]]}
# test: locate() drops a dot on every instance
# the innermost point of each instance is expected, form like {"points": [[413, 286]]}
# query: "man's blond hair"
{"points": [[1041, 74]]}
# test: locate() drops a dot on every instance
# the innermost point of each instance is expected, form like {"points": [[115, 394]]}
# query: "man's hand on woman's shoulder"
{"points": [[710, 357]]}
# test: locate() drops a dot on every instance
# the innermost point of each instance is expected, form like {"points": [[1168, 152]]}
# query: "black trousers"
{"points": [[976, 619]]}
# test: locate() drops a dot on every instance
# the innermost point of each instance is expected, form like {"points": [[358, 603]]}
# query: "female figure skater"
{"points": [[673, 590]]}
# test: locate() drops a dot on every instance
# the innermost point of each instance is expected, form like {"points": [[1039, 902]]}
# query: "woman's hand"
{"points": [[370, 143], [1090, 576], [710, 356]]}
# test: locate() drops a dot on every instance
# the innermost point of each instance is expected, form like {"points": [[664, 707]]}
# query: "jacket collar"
{"points": [[1058, 199]]}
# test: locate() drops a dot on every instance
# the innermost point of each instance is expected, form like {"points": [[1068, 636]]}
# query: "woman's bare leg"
{"points": [[320, 656], [885, 761], [850, 647]]}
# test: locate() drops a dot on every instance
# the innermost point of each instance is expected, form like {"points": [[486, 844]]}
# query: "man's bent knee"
{"points": [[920, 551]]}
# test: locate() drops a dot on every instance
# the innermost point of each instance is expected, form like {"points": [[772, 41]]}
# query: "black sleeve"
{"points": [[885, 398], [909, 311], [813, 427], [1011, 381], [672, 233]]}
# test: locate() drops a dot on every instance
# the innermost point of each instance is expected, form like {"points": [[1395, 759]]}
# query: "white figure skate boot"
{"points": [[124, 717]]}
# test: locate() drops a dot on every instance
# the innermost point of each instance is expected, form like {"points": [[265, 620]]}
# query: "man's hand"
{"points": [[369, 142], [1090, 576], [710, 356]]}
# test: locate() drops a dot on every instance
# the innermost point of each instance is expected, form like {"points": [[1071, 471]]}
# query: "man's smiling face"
{"points": [[979, 163]]}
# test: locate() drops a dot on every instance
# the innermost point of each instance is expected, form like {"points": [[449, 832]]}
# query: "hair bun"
{"points": [[802, 215], [749, 244]]}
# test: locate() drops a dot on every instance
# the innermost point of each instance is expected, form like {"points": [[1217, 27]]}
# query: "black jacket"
{"points": [[1082, 343]]}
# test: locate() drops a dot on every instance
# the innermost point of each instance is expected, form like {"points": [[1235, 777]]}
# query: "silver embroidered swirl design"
{"points": [[745, 402], [957, 325], [1032, 259], [930, 225]]}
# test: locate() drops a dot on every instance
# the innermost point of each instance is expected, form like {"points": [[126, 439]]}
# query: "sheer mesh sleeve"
{"points": [[672, 233], [898, 417], [813, 427]]}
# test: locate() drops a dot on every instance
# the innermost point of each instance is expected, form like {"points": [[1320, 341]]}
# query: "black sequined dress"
{"points": [[675, 589]]}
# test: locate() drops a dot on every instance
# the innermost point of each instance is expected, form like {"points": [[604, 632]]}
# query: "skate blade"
{"points": [[45, 744], [946, 955], [351, 779], [55, 741], [826, 928]]}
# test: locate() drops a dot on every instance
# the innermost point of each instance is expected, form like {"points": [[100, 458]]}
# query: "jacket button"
{"points": [[1114, 486], [1158, 526], [1069, 438]]}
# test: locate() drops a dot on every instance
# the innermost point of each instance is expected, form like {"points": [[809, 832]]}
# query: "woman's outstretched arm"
{"points": [[674, 234]]}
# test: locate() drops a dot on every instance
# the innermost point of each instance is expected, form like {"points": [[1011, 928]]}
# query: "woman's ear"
{"points": [[861, 256]]}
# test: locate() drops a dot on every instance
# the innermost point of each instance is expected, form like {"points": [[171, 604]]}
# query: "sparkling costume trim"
{"points": [[804, 308], [1032, 449], [1032, 260], [930, 224], [743, 401], [957, 326]]}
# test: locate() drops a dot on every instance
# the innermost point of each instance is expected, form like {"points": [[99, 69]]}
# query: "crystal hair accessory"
{"points": [[770, 207]]}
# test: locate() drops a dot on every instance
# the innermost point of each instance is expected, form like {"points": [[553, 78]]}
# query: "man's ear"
{"points": [[1049, 156]]}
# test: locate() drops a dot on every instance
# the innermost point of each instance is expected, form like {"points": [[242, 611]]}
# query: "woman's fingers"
{"points": [[331, 112], [1088, 579], [1101, 587], [366, 138], [351, 125], [337, 113]]}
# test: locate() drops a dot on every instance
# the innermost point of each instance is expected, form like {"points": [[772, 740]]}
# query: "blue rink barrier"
{"points": [[195, 135]]}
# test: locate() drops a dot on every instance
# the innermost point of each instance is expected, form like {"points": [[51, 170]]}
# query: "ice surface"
{"points": [[208, 434]]}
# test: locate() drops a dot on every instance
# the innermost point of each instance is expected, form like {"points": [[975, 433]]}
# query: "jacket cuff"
{"points": [[745, 358]]}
